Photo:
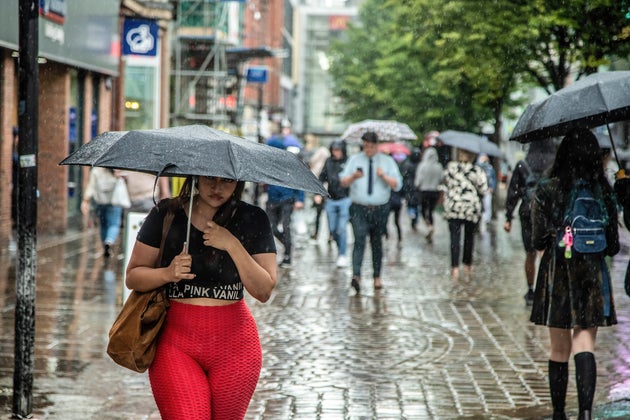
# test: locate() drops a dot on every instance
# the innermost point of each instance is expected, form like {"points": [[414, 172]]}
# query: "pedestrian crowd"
{"points": [[570, 294], [554, 192]]}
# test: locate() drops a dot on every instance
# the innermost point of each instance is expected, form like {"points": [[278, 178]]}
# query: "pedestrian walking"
{"points": [[338, 204], [491, 176], [521, 188], [427, 180], [395, 206], [281, 201], [408, 169], [208, 356], [573, 296], [98, 194], [371, 177], [465, 185], [316, 162]]}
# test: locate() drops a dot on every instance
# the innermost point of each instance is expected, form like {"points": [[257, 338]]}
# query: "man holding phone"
{"points": [[371, 177]]}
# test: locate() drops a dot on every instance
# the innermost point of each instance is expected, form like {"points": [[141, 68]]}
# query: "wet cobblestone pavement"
{"points": [[424, 347]]}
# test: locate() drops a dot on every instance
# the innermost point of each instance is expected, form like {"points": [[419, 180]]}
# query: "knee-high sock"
{"points": [[585, 378], [558, 380]]}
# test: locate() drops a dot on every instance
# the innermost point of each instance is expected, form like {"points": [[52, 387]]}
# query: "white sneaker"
{"points": [[342, 261]]}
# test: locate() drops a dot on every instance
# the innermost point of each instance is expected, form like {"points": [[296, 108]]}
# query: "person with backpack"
{"points": [[574, 221], [522, 186]]}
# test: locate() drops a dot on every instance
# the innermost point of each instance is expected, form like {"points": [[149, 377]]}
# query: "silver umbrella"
{"points": [[386, 130]]}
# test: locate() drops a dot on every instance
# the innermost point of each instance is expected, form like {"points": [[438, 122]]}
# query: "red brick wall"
{"points": [[52, 179], [8, 92]]}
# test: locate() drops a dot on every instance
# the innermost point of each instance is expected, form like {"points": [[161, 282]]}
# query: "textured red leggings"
{"points": [[207, 363]]}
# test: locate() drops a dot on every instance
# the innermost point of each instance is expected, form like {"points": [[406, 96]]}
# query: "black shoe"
{"points": [[286, 262], [355, 283], [107, 253], [529, 297]]}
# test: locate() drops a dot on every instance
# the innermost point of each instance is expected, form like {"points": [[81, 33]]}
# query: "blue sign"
{"points": [[257, 74], [140, 37]]}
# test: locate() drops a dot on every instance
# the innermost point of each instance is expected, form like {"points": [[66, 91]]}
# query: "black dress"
{"points": [[575, 292]]}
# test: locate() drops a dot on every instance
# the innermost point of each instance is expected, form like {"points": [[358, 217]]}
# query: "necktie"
{"points": [[370, 181]]}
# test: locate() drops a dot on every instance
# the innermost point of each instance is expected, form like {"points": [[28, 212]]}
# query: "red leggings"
{"points": [[207, 363]]}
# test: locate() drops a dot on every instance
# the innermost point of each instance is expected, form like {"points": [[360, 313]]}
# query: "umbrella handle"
{"points": [[190, 205]]}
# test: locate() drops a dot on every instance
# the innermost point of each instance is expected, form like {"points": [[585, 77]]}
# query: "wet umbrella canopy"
{"points": [[594, 100], [386, 130], [196, 150], [469, 141]]}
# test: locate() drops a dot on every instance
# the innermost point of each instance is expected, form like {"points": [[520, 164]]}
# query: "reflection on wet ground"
{"points": [[424, 347]]}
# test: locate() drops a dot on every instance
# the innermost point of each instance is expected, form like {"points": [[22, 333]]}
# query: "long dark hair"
{"points": [[225, 212], [579, 156]]}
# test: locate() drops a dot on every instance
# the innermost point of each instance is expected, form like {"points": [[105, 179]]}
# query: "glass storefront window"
{"points": [[141, 97]]}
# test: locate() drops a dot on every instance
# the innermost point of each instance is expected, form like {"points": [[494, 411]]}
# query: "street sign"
{"points": [[257, 74]]}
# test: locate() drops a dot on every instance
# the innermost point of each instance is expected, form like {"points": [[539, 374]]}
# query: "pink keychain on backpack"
{"points": [[567, 239]]}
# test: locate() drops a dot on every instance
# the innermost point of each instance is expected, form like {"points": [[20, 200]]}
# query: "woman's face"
{"points": [[215, 191]]}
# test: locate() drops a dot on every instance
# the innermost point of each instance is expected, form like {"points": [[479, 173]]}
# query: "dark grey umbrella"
{"points": [[386, 130], [469, 141], [196, 150], [594, 100]]}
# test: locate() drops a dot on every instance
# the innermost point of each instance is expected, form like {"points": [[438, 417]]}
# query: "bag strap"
{"points": [[166, 226]]}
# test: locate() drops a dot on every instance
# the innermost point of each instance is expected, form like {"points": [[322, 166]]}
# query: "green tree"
{"points": [[453, 63]]}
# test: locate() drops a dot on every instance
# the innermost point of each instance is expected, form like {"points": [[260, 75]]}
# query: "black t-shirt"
{"points": [[216, 273]]}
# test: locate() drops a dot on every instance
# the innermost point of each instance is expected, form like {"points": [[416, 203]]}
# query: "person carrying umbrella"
{"points": [[522, 185], [573, 295], [371, 177], [208, 357]]}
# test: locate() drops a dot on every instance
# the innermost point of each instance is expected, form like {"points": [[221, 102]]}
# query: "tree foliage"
{"points": [[451, 64]]}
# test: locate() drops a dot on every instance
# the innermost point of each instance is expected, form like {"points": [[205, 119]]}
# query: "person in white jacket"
{"points": [[98, 192]]}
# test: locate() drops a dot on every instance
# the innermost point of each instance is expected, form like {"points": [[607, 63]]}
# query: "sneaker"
{"points": [[529, 297], [107, 252], [286, 262], [342, 261]]}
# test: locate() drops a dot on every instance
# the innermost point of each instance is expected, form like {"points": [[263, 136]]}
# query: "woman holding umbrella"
{"points": [[572, 296], [208, 357]]}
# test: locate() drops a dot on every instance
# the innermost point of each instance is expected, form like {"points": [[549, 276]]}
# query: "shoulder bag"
{"points": [[120, 195], [133, 336]]}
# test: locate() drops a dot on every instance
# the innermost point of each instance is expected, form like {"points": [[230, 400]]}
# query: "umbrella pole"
{"points": [[612, 143], [190, 205]]}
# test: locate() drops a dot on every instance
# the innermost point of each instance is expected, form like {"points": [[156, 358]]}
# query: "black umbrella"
{"points": [[196, 150], [597, 99], [469, 141]]}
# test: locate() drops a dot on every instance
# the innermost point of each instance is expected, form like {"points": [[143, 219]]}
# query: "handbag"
{"points": [[120, 195], [133, 336]]}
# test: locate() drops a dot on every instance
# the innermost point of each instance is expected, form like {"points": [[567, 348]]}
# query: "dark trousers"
{"points": [[279, 213], [455, 227], [372, 221], [429, 201]]}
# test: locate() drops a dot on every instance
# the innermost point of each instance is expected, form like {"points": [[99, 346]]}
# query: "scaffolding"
{"points": [[201, 83]]}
